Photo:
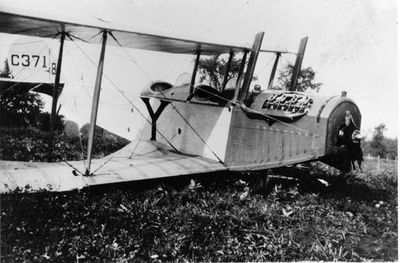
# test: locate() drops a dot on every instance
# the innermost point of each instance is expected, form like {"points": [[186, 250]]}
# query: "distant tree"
{"points": [[17, 109], [305, 80], [378, 147], [391, 148], [212, 69], [6, 71], [366, 146], [379, 144]]}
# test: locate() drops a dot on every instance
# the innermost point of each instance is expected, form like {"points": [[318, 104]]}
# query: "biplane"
{"points": [[191, 128]]}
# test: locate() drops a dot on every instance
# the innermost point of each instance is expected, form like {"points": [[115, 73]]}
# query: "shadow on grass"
{"points": [[337, 187]]}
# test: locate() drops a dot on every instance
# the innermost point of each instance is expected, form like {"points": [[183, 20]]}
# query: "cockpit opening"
{"points": [[160, 86]]}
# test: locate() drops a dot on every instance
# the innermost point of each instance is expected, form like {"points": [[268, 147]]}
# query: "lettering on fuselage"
{"points": [[29, 60]]}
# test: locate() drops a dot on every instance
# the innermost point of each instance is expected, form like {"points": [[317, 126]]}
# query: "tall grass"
{"points": [[351, 219]]}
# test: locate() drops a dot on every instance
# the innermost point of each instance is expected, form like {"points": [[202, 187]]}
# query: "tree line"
{"points": [[212, 69], [380, 145]]}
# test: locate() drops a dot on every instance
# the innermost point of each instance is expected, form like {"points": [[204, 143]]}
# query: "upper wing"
{"points": [[20, 22]]}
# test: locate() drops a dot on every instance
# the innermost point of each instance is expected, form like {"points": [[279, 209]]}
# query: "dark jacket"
{"points": [[353, 146], [345, 139]]}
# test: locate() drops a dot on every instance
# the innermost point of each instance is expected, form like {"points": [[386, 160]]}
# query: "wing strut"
{"points": [[196, 64], [240, 74], [297, 65], [55, 92], [273, 71], [251, 66], [95, 102], [227, 68]]}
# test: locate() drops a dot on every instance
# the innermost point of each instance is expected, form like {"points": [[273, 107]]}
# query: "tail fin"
{"points": [[297, 65]]}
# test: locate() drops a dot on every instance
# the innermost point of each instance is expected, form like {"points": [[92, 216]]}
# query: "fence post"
{"points": [[379, 162]]}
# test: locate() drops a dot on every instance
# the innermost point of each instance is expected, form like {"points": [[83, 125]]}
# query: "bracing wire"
{"points": [[134, 149], [173, 106], [130, 157], [80, 138], [70, 165], [76, 70], [142, 114], [130, 57], [70, 36], [194, 130], [103, 164], [130, 102]]}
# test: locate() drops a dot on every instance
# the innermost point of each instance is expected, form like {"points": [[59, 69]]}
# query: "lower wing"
{"points": [[140, 160]]}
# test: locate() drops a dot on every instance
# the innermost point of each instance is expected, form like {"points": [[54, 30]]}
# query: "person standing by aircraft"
{"points": [[348, 142], [356, 152]]}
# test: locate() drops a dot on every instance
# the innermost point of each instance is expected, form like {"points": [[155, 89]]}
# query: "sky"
{"points": [[353, 46]]}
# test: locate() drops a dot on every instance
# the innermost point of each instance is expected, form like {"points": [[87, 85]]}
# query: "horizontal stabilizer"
{"points": [[20, 87]]}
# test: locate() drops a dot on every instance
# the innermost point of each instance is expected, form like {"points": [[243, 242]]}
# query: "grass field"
{"points": [[214, 219]]}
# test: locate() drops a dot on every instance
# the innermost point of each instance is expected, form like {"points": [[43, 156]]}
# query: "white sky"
{"points": [[352, 46]]}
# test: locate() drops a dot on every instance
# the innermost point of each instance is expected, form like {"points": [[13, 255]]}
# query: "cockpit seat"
{"points": [[207, 93]]}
